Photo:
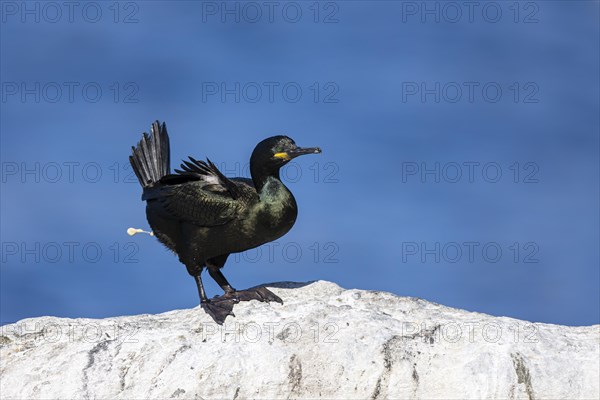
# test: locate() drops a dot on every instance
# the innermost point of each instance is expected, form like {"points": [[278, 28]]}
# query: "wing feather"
{"points": [[200, 194]]}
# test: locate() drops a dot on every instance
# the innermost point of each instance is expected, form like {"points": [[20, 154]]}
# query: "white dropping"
{"points": [[133, 231]]}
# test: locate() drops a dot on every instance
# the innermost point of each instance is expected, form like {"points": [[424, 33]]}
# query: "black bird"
{"points": [[204, 216]]}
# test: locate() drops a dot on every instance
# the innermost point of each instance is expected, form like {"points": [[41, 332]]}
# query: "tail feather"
{"points": [[150, 160]]}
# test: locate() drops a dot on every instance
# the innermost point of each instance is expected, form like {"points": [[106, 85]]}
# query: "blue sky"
{"points": [[460, 148]]}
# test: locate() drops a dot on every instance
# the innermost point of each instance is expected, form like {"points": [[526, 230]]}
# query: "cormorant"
{"points": [[204, 216]]}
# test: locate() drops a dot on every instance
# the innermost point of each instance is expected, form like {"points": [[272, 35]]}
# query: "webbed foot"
{"points": [[219, 308], [260, 294]]}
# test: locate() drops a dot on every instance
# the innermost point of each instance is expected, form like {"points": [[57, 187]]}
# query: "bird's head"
{"points": [[276, 151]]}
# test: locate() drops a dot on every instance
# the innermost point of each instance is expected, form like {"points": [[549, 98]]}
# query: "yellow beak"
{"points": [[283, 155]]}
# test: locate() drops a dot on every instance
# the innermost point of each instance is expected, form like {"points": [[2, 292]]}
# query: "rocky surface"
{"points": [[324, 342]]}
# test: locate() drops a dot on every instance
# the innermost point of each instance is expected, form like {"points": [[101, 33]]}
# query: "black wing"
{"points": [[200, 194], [208, 172]]}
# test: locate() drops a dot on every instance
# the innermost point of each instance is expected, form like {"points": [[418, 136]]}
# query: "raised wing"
{"points": [[200, 194], [208, 172]]}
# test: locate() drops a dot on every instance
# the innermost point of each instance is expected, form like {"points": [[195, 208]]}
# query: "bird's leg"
{"points": [[201, 291], [218, 310], [218, 277]]}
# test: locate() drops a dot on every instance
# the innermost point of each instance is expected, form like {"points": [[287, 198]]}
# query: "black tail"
{"points": [[150, 160]]}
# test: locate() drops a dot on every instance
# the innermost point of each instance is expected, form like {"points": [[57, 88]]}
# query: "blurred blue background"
{"points": [[345, 76]]}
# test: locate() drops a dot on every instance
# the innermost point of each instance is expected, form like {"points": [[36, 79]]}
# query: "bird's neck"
{"points": [[261, 176], [278, 204]]}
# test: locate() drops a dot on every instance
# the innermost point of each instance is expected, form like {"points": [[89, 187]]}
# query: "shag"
{"points": [[203, 216]]}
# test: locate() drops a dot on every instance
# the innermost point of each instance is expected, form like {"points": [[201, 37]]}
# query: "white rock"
{"points": [[323, 342]]}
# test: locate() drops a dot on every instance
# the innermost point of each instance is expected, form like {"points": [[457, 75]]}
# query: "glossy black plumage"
{"points": [[204, 216]]}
